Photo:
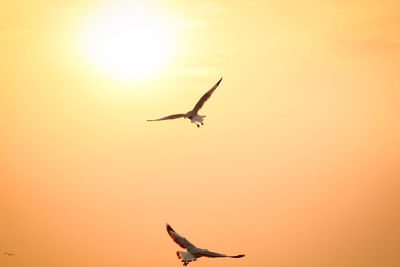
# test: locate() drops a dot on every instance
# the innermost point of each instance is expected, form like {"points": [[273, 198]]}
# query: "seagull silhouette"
{"points": [[192, 251], [192, 115]]}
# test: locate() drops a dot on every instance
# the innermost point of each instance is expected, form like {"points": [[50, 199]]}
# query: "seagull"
{"points": [[9, 253], [192, 115], [193, 252]]}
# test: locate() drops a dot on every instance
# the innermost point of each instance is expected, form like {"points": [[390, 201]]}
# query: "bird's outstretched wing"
{"points": [[205, 97], [170, 117], [210, 254], [180, 240]]}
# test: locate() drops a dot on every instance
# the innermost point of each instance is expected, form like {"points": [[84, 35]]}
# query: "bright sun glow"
{"points": [[128, 41]]}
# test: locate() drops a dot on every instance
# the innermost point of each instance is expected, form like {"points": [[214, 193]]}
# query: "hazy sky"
{"points": [[298, 163]]}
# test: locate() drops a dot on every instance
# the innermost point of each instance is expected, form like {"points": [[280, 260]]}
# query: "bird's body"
{"points": [[193, 252], [196, 119], [193, 114]]}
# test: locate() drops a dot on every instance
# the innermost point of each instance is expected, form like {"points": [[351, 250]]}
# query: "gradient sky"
{"points": [[298, 163]]}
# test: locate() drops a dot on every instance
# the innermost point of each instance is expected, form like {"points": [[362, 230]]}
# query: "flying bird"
{"points": [[193, 252], [192, 115], [9, 253]]}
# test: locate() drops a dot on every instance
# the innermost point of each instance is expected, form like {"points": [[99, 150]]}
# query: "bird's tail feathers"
{"points": [[186, 256]]}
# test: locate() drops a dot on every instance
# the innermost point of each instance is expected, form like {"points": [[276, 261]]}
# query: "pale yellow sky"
{"points": [[297, 163]]}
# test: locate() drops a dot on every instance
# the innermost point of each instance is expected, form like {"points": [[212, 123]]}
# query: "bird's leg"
{"points": [[202, 123], [197, 125]]}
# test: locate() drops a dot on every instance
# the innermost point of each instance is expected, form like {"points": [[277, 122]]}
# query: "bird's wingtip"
{"points": [[239, 256], [169, 228]]}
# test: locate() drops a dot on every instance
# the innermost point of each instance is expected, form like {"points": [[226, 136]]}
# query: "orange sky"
{"points": [[297, 164]]}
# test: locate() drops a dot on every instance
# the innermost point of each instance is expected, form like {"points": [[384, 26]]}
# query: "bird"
{"points": [[9, 253], [193, 252], [192, 115]]}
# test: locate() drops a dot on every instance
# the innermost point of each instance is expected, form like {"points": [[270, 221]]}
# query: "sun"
{"points": [[128, 41]]}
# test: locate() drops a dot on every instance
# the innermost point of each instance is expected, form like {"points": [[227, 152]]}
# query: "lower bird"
{"points": [[193, 252]]}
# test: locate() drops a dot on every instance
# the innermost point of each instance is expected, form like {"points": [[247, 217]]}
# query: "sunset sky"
{"points": [[298, 163]]}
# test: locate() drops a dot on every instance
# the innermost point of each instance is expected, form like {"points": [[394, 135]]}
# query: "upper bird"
{"points": [[192, 251], [192, 115]]}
